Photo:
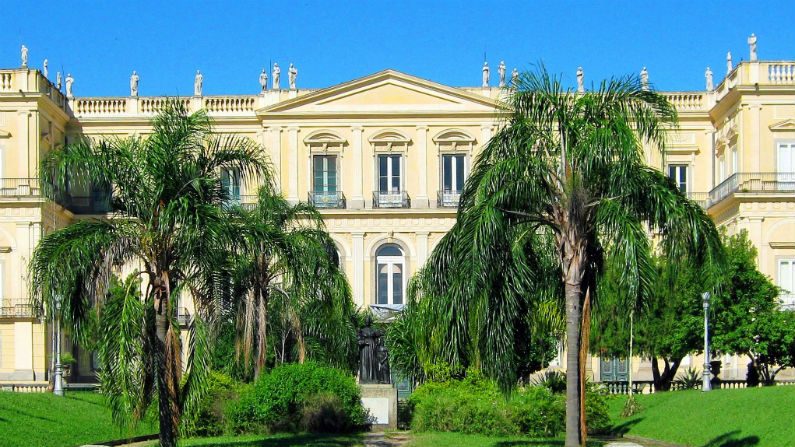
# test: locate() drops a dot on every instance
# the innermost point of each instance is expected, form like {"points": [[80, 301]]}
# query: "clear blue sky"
{"points": [[166, 41]]}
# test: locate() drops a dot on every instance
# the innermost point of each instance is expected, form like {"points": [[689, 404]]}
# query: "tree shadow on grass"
{"points": [[542, 443], [732, 439], [293, 441], [624, 427]]}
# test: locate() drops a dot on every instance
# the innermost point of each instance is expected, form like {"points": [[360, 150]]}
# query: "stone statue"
{"points": [[580, 84], [58, 80], [501, 71], [708, 76], [45, 70], [752, 46], [373, 359], [485, 74], [276, 74], [198, 83], [729, 66], [69, 81], [292, 73], [134, 84], [515, 77], [24, 54], [644, 79], [263, 81]]}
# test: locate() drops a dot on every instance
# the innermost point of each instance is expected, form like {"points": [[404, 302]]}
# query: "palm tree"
{"points": [[287, 283], [167, 221], [569, 167]]}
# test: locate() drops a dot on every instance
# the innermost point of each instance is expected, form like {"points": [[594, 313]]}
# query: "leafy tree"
{"points": [[571, 168], [747, 319], [169, 222], [669, 322], [289, 296]]}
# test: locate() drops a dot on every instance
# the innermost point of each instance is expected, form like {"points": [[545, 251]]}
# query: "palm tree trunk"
{"points": [[573, 321], [168, 369], [585, 338]]}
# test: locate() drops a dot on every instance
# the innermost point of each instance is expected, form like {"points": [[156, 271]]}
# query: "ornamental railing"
{"points": [[20, 187], [448, 199], [394, 199], [16, 308], [701, 198], [754, 182], [787, 301], [334, 199]]}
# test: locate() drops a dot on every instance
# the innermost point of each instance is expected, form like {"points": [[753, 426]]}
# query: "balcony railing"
{"points": [[397, 199], [19, 187], [448, 199], [701, 198], [754, 182], [183, 316], [16, 308], [787, 301], [327, 199]]}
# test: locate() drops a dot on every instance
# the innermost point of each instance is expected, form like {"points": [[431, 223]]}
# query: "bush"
{"points": [[475, 405], [553, 380], [299, 397], [210, 418]]}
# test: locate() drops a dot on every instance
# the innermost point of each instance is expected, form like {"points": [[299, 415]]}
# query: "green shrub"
{"points": [[291, 396], [537, 411], [555, 381], [210, 418], [476, 405]]}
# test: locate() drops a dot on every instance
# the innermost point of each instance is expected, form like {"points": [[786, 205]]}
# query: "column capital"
{"points": [[422, 127], [357, 128], [357, 234], [293, 128], [274, 128]]}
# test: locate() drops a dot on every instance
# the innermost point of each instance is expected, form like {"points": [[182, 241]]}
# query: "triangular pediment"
{"points": [[786, 125], [386, 92]]}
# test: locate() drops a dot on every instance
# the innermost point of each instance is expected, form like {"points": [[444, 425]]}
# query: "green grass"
{"points": [[276, 441], [756, 417], [41, 419], [462, 440]]}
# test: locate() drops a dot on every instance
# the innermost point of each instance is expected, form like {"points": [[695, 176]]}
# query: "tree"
{"points": [[669, 323], [569, 167], [287, 282], [167, 220], [747, 318]]}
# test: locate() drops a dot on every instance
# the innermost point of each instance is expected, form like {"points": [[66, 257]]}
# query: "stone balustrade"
{"points": [[230, 104], [781, 72], [687, 101], [100, 106], [6, 81]]}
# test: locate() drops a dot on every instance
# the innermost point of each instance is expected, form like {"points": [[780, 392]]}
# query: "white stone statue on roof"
{"points": [[198, 83], [644, 79], [485, 74], [134, 84], [515, 77], [729, 66], [276, 75], [752, 47], [69, 81], [580, 80], [58, 80], [292, 73], [263, 81], [708, 76], [24, 56], [501, 71]]}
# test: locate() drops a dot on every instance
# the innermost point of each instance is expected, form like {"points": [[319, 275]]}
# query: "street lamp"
{"points": [[57, 388], [706, 385]]}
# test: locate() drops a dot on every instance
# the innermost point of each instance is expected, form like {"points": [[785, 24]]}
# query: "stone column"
{"points": [[292, 168], [357, 199], [422, 165], [358, 268], [276, 153], [422, 249]]}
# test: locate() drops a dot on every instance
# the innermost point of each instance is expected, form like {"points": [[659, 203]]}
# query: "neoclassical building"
{"points": [[385, 157]]}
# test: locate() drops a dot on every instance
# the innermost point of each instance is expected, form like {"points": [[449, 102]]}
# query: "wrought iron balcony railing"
{"points": [[448, 199], [16, 308], [395, 199], [334, 199], [754, 182]]}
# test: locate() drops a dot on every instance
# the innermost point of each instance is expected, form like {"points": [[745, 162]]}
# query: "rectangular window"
{"points": [[230, 183], [721, 168], [785, 166], [324, 173], [453, 173], [678, 173], [735, 160], [389, 180], [786, 280]]}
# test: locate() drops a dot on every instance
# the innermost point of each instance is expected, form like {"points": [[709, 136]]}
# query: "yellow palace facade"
{"points": [[385, 157]]}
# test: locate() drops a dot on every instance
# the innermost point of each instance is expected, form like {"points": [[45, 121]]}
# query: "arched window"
{"points": [[390, 274]]}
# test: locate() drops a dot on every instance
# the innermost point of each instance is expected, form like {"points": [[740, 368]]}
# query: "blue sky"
{"points": [[100, 43]]}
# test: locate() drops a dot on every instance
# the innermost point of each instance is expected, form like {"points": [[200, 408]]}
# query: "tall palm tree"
{"points": [[168, 222], [287, 283], [569, 167]]}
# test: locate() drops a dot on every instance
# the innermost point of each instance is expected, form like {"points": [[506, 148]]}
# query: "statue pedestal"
{"points": [[381, 401]]}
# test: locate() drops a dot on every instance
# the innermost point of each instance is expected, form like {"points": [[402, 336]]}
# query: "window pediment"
{"points": [[324, 140], [390, 140], [454, 139], [783, 126]]}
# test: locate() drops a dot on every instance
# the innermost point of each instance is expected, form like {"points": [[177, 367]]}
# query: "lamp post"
{"points": [[57, 388], [706, 385]]}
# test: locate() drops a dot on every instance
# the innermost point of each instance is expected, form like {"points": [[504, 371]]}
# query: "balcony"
{"points": [[327, 200], [701, 198], [396, 199], [787, 301], [16, 308], [448, 199], [19, 188], [754, 183]]}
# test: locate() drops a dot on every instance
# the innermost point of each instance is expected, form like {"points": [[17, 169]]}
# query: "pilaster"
{"points": [[276, 154], [421, 138], [422, 249], [357, 199], [358, 268], [23, 141], [292, 167]]}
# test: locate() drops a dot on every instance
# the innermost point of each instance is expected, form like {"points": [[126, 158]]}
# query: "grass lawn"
{"points": [[756, 417], [461, 440], [41, 419]]}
